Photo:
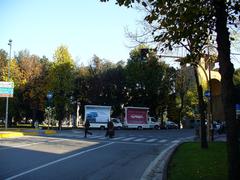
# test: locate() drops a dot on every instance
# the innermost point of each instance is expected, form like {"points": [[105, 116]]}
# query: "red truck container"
{"points": [[137, 117]]}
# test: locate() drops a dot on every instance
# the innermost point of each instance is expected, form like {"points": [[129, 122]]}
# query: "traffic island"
{"points": [[10, 134], [25, 132]]}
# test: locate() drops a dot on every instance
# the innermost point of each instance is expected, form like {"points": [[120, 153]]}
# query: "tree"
{"points": [[28, 74], [62, 81], [236, 78], [178, 20], [149, 81], [182, 86], [3, 65], [223, 16], [3, 62]]}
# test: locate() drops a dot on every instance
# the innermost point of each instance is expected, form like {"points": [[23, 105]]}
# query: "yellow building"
{"points": [[209, 80]]}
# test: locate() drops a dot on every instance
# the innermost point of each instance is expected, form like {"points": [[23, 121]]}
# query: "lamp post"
{"points": [[6, 118]]}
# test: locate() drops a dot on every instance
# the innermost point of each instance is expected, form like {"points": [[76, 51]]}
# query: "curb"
{"points": [[25, 132], [157, 170], [10, 134]]}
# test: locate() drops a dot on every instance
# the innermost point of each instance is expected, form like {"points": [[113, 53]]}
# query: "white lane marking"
{"points": [[30, 144], [57, 161], [95, 137], [175, 141], [151, 140], [118, 138], [140, 139], [103, 137], [163, 141], [128, 139]]}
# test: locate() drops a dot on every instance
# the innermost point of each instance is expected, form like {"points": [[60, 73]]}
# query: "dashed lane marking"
{"points": [[139, 139], [129, 139], [163, 141], [151, 140], [175, 141]]}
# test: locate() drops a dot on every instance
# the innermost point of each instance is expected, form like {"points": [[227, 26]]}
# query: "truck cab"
{"points": [[153, 123]]}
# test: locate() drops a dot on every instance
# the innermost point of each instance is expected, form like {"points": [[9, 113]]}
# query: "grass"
{"points": [[190, 162]]}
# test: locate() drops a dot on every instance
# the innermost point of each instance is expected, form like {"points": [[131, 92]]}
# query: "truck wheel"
{"points": [[139, 128], [102, 127]]}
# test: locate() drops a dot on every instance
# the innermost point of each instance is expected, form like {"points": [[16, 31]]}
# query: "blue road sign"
{"points": [[207, 93], [49, 95], [6, 92]]}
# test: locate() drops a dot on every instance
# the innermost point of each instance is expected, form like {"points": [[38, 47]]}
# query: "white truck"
{"points": [[98, 116], [137, 117]]}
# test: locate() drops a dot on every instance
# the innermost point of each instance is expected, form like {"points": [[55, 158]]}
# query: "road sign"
{"points": [[238, 109], [6, 84], [6, 89], [207, 93], [49, 95]]}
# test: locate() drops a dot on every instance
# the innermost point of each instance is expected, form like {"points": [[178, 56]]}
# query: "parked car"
{"points": [[171, 125], [218, 127], [117, 123]]}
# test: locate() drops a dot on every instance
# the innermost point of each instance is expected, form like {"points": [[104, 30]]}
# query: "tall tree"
{"points": [[195, 20], [3, 62], [3, 65], [62, 82], [148, 81], [223, 14]]}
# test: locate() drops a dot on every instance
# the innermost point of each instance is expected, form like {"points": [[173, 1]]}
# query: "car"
{"points": [[171, 125], [218, 127], [117, 123]]}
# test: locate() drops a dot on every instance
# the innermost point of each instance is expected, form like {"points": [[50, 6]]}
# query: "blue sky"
{"points": [[85, 27]]}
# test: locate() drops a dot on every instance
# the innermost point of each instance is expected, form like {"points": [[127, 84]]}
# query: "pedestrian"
{"points": [[87, 125], [110, 129]]}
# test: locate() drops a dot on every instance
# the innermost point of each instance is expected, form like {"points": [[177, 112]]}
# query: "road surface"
{"points": [[68, 155]]}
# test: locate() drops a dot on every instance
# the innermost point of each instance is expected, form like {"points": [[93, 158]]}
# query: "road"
{"points": [[68, 155]]}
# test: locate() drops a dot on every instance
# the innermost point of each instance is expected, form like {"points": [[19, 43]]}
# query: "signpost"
{"points": [[49, 97], [6, 90]]}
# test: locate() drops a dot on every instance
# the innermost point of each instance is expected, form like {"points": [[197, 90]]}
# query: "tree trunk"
{"points": [[203, 135], [226, 71], [181, 109]]}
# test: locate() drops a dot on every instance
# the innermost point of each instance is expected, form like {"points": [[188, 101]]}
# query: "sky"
{"points": [[85, 27]]}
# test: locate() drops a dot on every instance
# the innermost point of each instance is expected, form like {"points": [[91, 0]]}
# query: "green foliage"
{"points": [[236, 77], [149, 82], [144, 81], [3, 63], [62, 81]]}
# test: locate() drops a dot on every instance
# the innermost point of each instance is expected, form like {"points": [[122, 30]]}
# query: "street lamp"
{"points": [[6, 118]]}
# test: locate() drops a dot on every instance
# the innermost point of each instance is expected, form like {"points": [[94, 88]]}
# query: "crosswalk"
{"points": [[135, 139]]}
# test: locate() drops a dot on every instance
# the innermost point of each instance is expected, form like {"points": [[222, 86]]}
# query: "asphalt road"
{"points": [[68, 155]]}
